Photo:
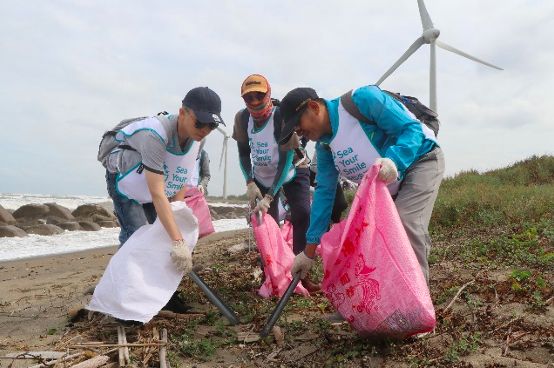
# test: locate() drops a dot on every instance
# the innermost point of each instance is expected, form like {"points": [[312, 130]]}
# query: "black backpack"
{"points": [[421, 112]]}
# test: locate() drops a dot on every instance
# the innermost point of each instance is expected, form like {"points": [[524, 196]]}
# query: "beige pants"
{"points": [[415, 201]]}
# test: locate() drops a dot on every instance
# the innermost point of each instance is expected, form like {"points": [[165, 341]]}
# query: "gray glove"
{"points": [[201, 189], [253, 193], [181, 256], [264, 204], [302, 265], [388, 172]]}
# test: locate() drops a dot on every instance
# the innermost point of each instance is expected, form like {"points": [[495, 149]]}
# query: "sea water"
{"points": [[72, 241]]}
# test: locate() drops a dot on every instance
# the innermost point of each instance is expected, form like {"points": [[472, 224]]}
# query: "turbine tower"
{"points": [[430, 36], [224, 157]]}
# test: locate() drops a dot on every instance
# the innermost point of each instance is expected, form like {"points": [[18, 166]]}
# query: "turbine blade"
{"points": [[417, 44], [426, 21], [446, 47]]}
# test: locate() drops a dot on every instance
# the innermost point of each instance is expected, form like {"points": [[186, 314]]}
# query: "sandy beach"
{"points": [[37, 293]]}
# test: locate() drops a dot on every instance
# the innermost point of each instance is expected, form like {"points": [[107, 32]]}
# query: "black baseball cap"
{"points": [[292, 106], [206, 105]]}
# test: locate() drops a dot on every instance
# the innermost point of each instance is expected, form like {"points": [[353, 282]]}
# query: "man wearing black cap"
{"points": [[149, 159], [353, 132]]}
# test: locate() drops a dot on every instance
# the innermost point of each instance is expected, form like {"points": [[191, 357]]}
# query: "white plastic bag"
{"points": [[141, 276]]}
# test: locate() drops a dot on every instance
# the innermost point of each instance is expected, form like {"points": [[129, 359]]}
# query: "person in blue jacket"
{"points": [[411, 161]]}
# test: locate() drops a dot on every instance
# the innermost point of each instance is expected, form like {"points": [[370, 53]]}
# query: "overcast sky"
{"points": [[69, 70]]}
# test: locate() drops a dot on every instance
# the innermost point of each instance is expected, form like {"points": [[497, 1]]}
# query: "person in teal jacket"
{"points": [[411, 161]]}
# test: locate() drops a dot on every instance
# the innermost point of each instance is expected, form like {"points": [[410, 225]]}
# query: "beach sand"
{"points": [[36, 294]]}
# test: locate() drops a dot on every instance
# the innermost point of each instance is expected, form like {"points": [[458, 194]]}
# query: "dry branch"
{"points": [[163, 351], [95, 362], [185, 317], [458, 294]]}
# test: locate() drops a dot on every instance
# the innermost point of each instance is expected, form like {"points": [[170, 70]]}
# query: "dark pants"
{"points": [[130, 214], [297, 192], [340, 203]]}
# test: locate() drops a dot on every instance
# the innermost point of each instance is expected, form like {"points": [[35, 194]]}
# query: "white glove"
{"points": [[264, 204], [302, 265], [181, 256], [201, 189], [388, 172], [253, 193]]}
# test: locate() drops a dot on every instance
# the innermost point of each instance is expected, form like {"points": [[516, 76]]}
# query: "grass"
{"points": [[498, 218], [520, 194]]}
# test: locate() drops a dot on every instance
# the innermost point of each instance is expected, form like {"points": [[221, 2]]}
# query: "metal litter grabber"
{"points": [[280, 306], [223, 308], [259, 217]]}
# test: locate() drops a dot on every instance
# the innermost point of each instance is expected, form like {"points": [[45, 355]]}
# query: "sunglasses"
{"points": [[253, 96], [200, 125]]}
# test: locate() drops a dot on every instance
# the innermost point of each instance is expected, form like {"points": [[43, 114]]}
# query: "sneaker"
{"points": [[176, 304]]}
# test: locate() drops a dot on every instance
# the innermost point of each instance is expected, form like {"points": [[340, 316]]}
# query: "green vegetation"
{"points": [[464, 346], [520, 194], [501, 217]]}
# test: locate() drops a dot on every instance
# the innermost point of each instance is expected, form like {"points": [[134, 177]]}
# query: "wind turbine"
{"points": [[224, 155], [429, 36]]}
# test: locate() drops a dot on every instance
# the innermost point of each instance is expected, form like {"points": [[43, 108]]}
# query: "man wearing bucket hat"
{"points": [[267, 167], [353, 132], [149, 159]]}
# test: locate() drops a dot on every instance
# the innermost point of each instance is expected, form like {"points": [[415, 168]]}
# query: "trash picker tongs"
{"points": [[280, 306], [223, 308]]}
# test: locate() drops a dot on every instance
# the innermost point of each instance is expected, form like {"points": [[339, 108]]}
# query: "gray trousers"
{"points": [[415, 200]]}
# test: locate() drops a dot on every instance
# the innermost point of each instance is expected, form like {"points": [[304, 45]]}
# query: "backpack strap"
{"points": [[240, 128], [352, 109]]}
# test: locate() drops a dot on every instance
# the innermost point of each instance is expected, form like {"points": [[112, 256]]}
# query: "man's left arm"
{"points": [[395, 121]]}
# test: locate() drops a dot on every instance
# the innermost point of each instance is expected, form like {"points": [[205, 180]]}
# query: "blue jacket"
{"points": [[395, 135]]}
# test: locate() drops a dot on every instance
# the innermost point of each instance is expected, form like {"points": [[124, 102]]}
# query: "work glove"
{"points": [[387, 172], [302, 265], [181, 256], [263, 205], [201, 189], [253, 193]]}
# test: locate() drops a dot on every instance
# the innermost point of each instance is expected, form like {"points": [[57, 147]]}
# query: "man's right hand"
{"points": [[253, 193], [302, 265]]}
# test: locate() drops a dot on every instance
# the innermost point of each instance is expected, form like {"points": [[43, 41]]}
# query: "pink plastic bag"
{"points": [[197, 203], [286, 231], [277, 258], [372, 276]]}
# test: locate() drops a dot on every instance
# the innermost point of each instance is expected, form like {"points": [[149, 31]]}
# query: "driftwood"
{"points": [[149, 352], [35, 355], [185, 317], [126, 348], [95, 362], [123, 349], [60, 360], [163, 352], [131, 345], [248, 337]]}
